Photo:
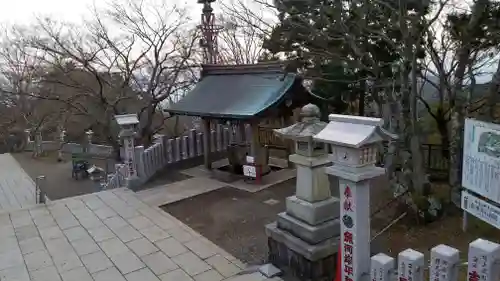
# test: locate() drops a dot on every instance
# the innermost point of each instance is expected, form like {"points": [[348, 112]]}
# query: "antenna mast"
{"points": [[209, 31]]}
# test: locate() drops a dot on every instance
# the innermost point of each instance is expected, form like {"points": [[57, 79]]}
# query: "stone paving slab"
{"points": [[177, 191], [17, 190], [110, 235]]}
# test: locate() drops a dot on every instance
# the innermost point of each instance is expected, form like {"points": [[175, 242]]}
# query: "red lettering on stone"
{"points": [[348, 270], [348, 237], [347, 205], [474, 276], [348, 249], [347, 192], [348, 259]]}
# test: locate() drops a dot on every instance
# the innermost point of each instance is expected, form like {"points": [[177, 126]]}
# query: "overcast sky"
{"points": [[24, 11]]}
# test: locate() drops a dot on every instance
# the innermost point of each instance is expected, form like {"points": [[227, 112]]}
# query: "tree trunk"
{"points": [[493, 93], [146, 132], [442, 127], [457, 108]]}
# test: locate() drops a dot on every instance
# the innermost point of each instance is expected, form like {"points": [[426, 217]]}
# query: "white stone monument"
{"points": [[128, 124], [309, 230], [354, 144]]}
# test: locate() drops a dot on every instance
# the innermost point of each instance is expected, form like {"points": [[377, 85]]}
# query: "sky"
{"points": [[24, 11]]}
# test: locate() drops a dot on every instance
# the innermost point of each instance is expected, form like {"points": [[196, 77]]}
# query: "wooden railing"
{"points": [[434, 160], [267, 137]]}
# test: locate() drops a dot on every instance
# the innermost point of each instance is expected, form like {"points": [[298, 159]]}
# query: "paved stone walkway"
{"points": [[108, 236], [17, 190], [169, 193]]}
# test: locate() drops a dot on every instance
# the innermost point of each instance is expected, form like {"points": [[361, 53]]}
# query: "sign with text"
{"points": [[348, 233], [481, 159], [128, 142], [250, 171], [481, 209]]}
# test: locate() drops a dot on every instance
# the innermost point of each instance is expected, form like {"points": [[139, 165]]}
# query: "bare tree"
{"points": [[239, 42], [20, 70], [131, 57], [438, 72]]}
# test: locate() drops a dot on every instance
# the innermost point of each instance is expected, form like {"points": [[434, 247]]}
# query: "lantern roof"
{"points": [[353, 131], [127, 119], [304, 130]]}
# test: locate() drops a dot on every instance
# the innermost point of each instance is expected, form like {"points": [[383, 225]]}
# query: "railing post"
{"points": [[39, 191]]}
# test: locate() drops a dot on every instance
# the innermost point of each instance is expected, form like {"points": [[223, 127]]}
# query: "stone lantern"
{"points": [[128, 127], [354, 142], [305, 238]]}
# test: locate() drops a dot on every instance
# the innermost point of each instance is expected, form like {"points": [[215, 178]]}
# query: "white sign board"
{"points": [[481, 209], [249, 171], [481, 159], [250, 159]]}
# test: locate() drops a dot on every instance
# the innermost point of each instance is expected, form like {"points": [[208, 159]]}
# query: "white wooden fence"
{"points": [[482, 264], [167, 151], [149, 161]]}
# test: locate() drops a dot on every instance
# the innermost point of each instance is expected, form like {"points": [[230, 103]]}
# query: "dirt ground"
{"points": [[59, 183], [234, 219]]}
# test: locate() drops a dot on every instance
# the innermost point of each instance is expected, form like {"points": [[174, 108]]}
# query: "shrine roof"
{"points": [[237, 91]]}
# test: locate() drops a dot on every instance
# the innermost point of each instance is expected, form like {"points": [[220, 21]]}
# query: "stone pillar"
{"points": [[28, 136], [38, 144], [128, 123], [354, 155], [86, 146], [310, 226], [206, 144], [62, 135], [305, 238], [354, 189]]}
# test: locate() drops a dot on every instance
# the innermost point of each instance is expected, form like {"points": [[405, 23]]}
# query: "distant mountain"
{"points": [[431, 94]]}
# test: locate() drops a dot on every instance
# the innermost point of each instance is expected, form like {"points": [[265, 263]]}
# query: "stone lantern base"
{"points": [[295, 256]]}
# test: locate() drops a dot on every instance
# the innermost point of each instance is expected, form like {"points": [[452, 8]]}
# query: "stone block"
{"points": [[312, 184], [298, 258], [307, 262], [313, 213], [312, 234]]}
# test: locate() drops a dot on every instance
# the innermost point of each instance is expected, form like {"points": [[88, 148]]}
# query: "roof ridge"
{"points": [[256, 68]]}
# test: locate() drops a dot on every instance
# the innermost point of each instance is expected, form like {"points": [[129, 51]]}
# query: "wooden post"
{"points": [[206, 143]]}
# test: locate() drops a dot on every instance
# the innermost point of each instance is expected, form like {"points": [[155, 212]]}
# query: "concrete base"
{"points": [[307, 262], [313, 213], [304, 249], [300, 259], [134, 183], [309, 233]]}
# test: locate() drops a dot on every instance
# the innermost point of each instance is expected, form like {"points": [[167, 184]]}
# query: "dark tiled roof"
{"points": [[236, 91]]}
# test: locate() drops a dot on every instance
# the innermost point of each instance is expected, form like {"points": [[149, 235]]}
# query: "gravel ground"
{"points": [[59, 183]]}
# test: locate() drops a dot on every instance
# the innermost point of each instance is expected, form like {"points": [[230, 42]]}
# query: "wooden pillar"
{"points": [[257, 151], [241, 132], [206, 143], [254, 142]]}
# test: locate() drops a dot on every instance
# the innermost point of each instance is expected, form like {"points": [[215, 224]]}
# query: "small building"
{"points": [[244, 95]]}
